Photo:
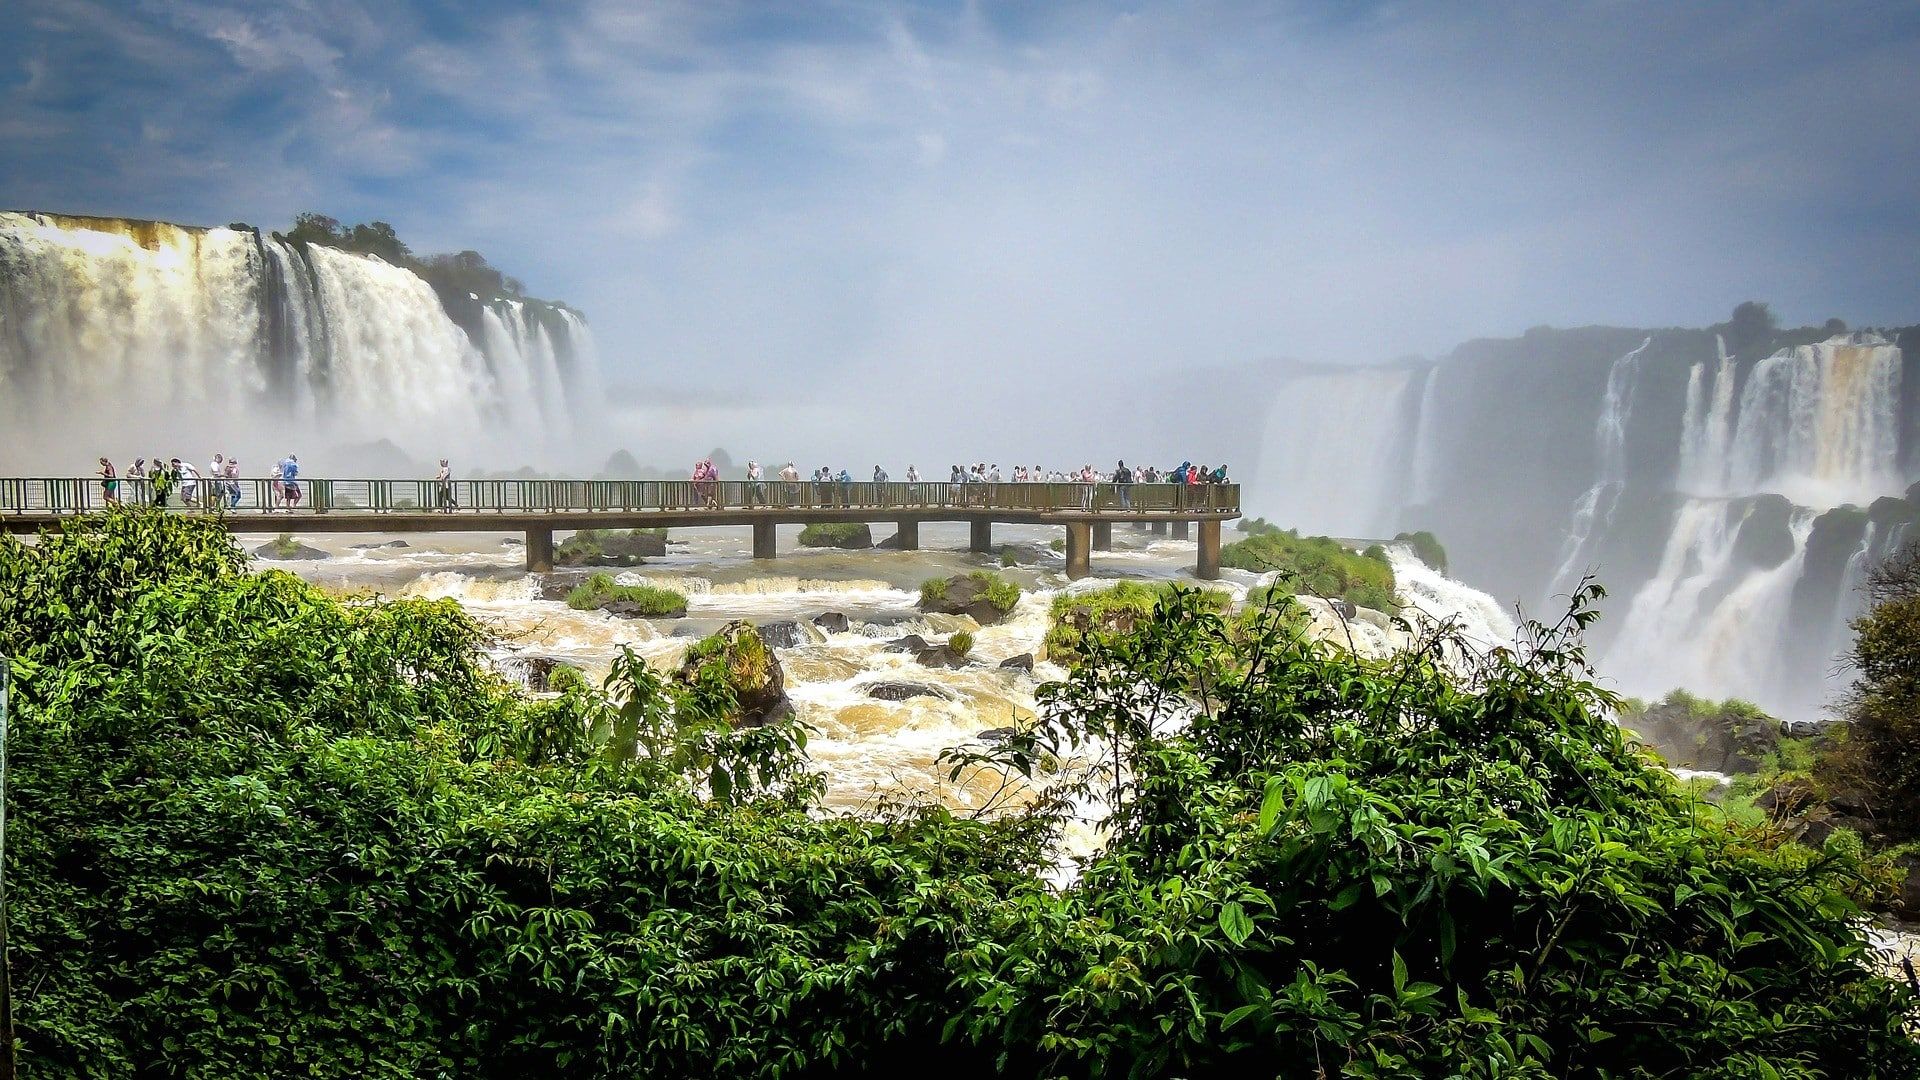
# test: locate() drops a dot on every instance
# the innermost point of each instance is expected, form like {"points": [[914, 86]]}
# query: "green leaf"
{"points": [[1272, 804], [1235, 923]]}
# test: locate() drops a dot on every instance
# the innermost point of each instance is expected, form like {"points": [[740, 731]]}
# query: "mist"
{"points": [[953, 232]]}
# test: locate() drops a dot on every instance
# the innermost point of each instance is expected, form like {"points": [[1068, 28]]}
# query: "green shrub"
{"points": [[1001, 594], [1116, 608], [1426, 547], [961, 643], [600, 589], [1317, 566], [933, 590], [1256, 526], [837, 534], [1008, 558]]}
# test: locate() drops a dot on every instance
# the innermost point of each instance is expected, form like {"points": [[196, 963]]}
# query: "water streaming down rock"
{"points": [[1336, 455], [152, 329], [1593, 514]]}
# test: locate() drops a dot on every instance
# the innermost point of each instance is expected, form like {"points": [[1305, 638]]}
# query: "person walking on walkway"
{"points": [[162, 482], [756, 491], [790, 476], [1123, 485], [443, 487], [232, 475], [109, 483], [288, 472]]}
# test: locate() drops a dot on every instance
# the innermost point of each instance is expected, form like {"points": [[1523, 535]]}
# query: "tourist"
{"points": [[790, 476], [443, 487], [189, 482], [1123, 485], [756, 493], [232, 475], [879, 475], [136, 476], [846, 488], [109, 483], [993, 475], [161, 481], [1220, 475], [913, 483], [288, 472], [216, 491]]}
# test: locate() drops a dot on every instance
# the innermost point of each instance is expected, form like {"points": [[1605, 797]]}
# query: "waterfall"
{"points": [[1432, 597], [153, 331], [1708, 421], [1596, 506], [1817, 423], [1334, 458], [1426, 437], [1852, 600]]}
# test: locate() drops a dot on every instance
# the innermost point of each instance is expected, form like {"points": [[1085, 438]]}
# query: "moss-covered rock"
{"points": [[1426, 547], [741, 659], [1318, 566], [854, 535], [611, 547], [601, 593], [1113, 610], [1693, 733], [985, 598]]}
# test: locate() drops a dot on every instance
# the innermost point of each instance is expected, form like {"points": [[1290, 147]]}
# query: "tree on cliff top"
{"points": [[1880, 754], [1752, 324]]}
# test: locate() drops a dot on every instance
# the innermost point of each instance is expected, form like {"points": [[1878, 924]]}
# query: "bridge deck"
{"points": [[542, 507]]}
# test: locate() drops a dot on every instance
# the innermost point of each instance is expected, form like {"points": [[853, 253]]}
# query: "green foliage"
{"points": [[257, 831], [1426, 547], [1257, 526], [961, 643], [610, 547], [1008, 557], [1002, 594], [933, 590], [600, 589], [1397, 868], [1880, 753], [284, 546], [1318, 566], [1114, 609]]}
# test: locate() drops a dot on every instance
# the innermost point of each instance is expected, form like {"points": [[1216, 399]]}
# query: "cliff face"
{"points": [[1729, 486]]}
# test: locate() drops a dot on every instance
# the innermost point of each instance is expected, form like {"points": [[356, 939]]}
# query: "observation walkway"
{"points": [[539, 508]]}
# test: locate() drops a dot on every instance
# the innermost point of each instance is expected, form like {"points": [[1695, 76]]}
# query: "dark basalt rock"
{"points": [[292, 553], [902, 691], [1023, 662], [833, 622], [997, 734], [912, 643], [941, 656], [787, 634], [539, 671], [376, 547], [627, 609], [1724, 741]]}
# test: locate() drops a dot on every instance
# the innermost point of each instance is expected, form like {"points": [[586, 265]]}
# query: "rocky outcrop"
{"points": [[981, 597], [912, 643], [788, 634], [740, 656], [610, 547], [941, 656], [1694, 734], [285, 550], [1023, 662], [388, 544], [833, 622], [853, 535], [903, 691]]}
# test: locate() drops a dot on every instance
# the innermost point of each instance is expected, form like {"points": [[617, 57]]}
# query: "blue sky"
{"points": [[791, 207]]}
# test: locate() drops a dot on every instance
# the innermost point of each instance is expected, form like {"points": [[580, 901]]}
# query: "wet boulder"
{"points": [[833, 622], [853, 535], [789, 634], [984, 598], [997, 734], [942, 656], [388, 544], [904, 691], [912, 643], [1023, 662], [740, 657], [287, 549]]}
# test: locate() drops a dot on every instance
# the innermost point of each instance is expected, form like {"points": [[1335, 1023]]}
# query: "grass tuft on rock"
{"points": [[600, 589]]}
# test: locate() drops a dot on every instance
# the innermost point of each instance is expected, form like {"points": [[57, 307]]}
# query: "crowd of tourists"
{"points": [[825, 485], [159, 481]]}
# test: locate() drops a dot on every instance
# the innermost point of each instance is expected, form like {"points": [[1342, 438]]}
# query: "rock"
{"points": [[912, 643], [289, 552], [788, 634], [1785, 798], [833, 622], [558, 586], [853, 535], [891, 543], [537, 671], [964, 594], [513, 541], [1023, 662], [1346, 609], [1727, 739], [1906, 902], [1850, 801], [610, 547], [997, 734], [627, 609], [941, 656], [902, 691], [749, 667], [388, 544]]}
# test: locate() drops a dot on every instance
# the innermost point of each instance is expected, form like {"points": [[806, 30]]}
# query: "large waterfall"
{"points": [[1732, 496], [143, 334]]}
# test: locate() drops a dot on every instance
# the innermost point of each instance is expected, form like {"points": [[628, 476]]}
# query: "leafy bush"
{"points": [[837, 534], [1880, 753], [933, 590], [257, 831], [1318, 566], [961, 643], [1426, 547], [1114, 609], [1256, 526], [600, 589], [999, 593]]}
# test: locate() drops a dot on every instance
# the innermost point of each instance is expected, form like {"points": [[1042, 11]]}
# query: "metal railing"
{"points": [[63, 495]]}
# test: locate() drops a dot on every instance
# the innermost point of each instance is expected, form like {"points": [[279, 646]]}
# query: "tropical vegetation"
{"points": [[258, 831], [1317, 566]]}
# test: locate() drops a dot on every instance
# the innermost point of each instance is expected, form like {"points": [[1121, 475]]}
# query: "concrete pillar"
{"points": [[539, 551], [763, 542], [982, 537], [1103, 536], [1079, 539], [1207, 567], [908, 530], [1180, 530], [1159, 528]]}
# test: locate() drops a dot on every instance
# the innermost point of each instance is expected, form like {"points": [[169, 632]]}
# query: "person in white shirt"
{"points": [[443, 487]]}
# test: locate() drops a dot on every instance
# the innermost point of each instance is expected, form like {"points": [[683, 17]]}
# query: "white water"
{"points": [[1817, 423], [1593, 511], [1433, 598], [1333, 457], [150, 330]]}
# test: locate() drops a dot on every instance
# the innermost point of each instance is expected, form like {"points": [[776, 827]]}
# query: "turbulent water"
{"points": [[148, 329], [866, 746]]}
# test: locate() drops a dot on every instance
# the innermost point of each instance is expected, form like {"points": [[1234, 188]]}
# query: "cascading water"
{"points": [[1334, 458], [152, 331], [1596, 506]]}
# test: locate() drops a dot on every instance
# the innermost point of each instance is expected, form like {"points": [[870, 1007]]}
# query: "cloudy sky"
{"points": [[824, 215]]}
